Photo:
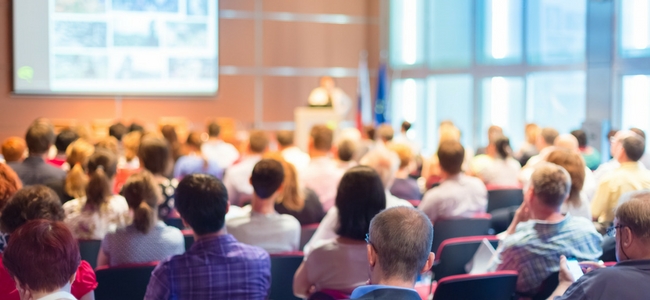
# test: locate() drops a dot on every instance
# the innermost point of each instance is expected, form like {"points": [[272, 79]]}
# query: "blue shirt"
{"points": [[365, 289], [192, 164]]}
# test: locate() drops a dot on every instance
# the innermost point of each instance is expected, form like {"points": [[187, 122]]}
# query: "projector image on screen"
{"points": [[116, 47]]}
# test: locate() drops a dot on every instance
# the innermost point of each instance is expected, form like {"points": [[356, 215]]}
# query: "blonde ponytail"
{"points": [[76, 182]]}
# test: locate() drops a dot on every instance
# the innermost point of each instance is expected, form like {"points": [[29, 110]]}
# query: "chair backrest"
{"points": [[89, 249], [452, 228], [489, 286], [453, 254], [502, 198], [123, 282], [188, 235], [306, 232], [548, 287], [176, 222], [283, 267]]}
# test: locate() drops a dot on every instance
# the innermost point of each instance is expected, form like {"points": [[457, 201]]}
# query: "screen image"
{"points": [[116, 47]]}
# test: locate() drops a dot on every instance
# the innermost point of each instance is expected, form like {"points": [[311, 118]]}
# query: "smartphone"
{"points": [[574, 268]]}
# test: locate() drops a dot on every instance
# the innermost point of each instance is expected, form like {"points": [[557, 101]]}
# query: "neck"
{"points": [[41, 155], [221, 232], [38, 295], [263, 206], [281, 148], [318, 153], [214, 138], [402, 173], [377, 278], [548, 215]]}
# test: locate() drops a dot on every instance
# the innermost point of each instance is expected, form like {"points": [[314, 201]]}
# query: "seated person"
{"points": [[63, 140], [13, 150], [322, 175], [393, 270], [501, 169], [290, 152], [458, 195], [147, 238], [341, 263], [588, 153], [405, 187], [263, 226], [216, 148], [40, 276], [577, 204], [76, 179], [237, 177], [33, 203], [216, 266], [194, 161], [539, 233], [34, 169], [9, 185], [155, 156]]}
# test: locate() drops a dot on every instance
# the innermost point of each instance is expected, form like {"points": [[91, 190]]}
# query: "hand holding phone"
{"points": [[574, 268]]}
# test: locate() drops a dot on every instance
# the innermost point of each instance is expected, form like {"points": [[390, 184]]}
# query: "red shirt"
{"points": [[57, 162]]}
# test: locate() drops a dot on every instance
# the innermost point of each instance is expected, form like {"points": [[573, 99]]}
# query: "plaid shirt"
{"points": [[213, 268], [534, 249]]}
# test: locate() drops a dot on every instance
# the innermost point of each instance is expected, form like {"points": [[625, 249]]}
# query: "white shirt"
{"points": [[456, 196], [274, 232], [237, 180], [502, 172], [322, 175], [94, 225], [223, 153], [340, 101], [584, 210], [60, 295], [296, 157]]}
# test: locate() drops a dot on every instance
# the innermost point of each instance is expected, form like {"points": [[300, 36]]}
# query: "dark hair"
{"points": [[117, 130], [634, 146], [267, 177], [360, 196], [502, 145], [258, 141], [136, 127], [322, 137], [39, 137], [154, 154], [64, 139], [30, 203], [9, 184], [581, 136], [214, 129], [43, 255], [369, 130], [194, 139], [284, 137], [142, 194], [102, 166], [202, 201], [451, 155], [346, 150], [406, 125], [638, 131], [549, 135]]}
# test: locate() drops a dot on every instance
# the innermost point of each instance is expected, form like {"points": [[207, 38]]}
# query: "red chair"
{"points": [[415, 203], [283, 267], [188, 235], [89, 249], [123, 282], [452, 228], [453, 254], [504, 198], [306, 232], [490, 286]]}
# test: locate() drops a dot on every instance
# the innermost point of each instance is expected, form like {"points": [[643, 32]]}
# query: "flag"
{"points": [[364, 109], [380, 102]]}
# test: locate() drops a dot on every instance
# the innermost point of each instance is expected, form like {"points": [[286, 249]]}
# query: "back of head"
{"points": [[532, 131], [258, 141], [402, 238], [346, 149], [42, 243], [634, 147], [638, 131], [64, 139], [154, 154], [102, 166], [13, 149], [406, 126], [214, 129], [448, 133], [369, 132], [385, 132], [322, 137], [502, 145], [118, 130], [285, 138], [136, 127], [142, 194], [551, 184], [581, 136], [635, 214], [360, 196], [451, 155], [109, 143], [384, 162], [76, 180], [202, 201], [131, 142], [39, 137], [267, 177], [194, 140], [573, 163], [549, 135], [169, 133], [292, 197], [31, 203], [567, 141], [9, 184], [494, 132]]}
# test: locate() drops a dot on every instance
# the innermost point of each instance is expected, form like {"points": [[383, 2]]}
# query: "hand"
{"points": [[588, 266], [565, 275], [523, 213]]}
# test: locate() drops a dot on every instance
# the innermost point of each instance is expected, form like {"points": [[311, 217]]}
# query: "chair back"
{"points": [[453, 254], [489, 286], [283, 267], [89, 249], [123, 282], [188, 235], [548, 287], [502, 198], [175, 222], [306, 232], [328, 295], [452, 228]]}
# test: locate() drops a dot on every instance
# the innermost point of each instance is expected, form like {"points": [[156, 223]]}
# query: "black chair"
{"points": [[609, 249], [306, 232], [548, 287], [89, 249], [502, 198], [176, 222], [283, 267], [453, 228], [454, 254], [188, 235], [123, 282], [490, 286]]}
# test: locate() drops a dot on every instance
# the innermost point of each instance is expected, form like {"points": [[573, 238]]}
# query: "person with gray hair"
{"points": [[539, 233], [399, 249]]}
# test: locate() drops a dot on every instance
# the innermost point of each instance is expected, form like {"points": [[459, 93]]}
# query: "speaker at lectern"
{"points": [[307, 117]]}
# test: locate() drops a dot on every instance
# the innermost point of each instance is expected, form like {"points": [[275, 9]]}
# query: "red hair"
{"points": [[43, 255], [9, 184]]}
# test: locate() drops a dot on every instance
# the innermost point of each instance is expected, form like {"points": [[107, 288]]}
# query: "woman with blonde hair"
{"points": [[577, 204], [74, 184]]}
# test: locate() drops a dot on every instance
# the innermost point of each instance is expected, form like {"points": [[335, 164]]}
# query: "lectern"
{"points": [[307, 117]]}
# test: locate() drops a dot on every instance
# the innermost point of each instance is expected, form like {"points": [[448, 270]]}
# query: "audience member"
{"points": [[345, 150], [215, 148], [493, 133], [155, 157], [290, 152], [403, 138], [34, 169], [361, 195], [263, 226], [237, 178], [109, 143], [147, 238], [99, 212], [13, 150], [75, 182], [502, 169], [544, 145], [135, 127], [577, 204], [614, 146], [630, 176], [566, 141], [131, 144], [216, 266], [404, 187], [528, 149], [431, 168], [34, 203], [384, 134], [194, 161], [539, 233], [399, 249], [458, 195], [118, 130], [322, 174], [63, 140], [629, 278], [367, 143], [645, 159], [9, 185], [175, 147], [590, 154]]}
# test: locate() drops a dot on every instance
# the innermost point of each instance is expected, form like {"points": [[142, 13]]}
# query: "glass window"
{"points": [[407, 104], [406, 32], [556, 99], [501, 25], [556, 31], [450, 33], [450, 97], [503, 105], [636, 102], [634, 28]]}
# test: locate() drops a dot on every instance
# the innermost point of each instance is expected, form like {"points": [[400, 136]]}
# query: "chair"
{"points": [[283, 267], [89, 249], [502, 198], [176, 222], [328, 295], [453, 254], [123, 282], [547, 288], [490, 286], [453, 228], [306, 232], [188, 235], [415, 203]]}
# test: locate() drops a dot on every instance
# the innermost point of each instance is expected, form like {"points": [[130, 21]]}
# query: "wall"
{"points": [[272, 53]]}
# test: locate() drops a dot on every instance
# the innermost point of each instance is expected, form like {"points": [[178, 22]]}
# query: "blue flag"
{"points": [[380, 102]]}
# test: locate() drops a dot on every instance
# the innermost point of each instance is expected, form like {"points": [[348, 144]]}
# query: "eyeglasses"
{"points": [[369, 242], [612, 230]]}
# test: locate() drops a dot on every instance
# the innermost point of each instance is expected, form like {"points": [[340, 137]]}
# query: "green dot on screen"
{"points": [[26, 73]]}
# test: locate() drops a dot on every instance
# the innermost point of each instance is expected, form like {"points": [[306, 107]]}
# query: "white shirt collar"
{"points": [[60, 295]]}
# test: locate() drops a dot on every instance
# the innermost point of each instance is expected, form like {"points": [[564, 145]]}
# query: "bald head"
{"points": [[402, 238], [568, 142]]}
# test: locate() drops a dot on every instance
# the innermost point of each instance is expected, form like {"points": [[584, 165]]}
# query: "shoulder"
{"points": [[290, 220], [238, 221]]}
